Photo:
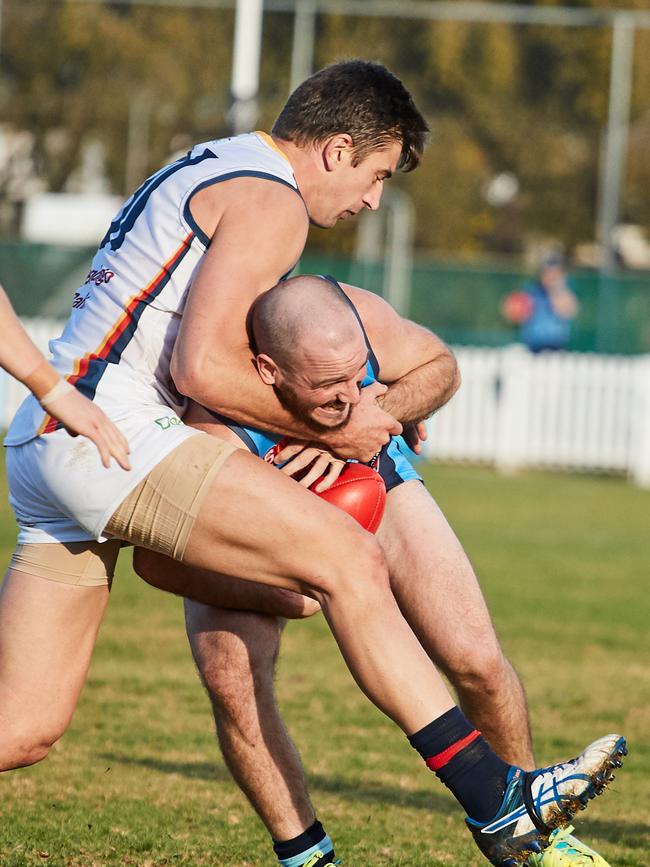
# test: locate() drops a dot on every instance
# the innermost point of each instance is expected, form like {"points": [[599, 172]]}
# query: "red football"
{"points": [[359, 491]]}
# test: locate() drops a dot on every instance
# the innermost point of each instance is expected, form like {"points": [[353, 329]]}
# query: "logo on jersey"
{"points": [[168, 421], [79, 300], [275, 450], [103, 275]]}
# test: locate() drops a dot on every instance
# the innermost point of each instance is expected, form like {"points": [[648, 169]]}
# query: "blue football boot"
{"points": [[535, 803]]}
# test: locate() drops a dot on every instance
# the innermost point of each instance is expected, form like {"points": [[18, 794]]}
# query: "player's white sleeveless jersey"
{"points": [[116, 346]]}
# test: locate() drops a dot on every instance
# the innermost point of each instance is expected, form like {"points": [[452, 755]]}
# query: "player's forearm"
{"points": [[19, 356], [422, 391], [240, 395]]}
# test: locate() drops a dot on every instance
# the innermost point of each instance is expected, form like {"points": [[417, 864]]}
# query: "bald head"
{"points": [[311, 348], [299, 315]]}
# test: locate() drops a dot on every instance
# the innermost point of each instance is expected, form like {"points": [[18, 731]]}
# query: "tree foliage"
{"points": [[527, 100]]}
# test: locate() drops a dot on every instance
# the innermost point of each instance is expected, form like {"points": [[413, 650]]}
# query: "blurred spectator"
{"points": [[544, 307]]}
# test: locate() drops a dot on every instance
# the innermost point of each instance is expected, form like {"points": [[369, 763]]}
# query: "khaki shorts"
{"points": [[158, 514]]}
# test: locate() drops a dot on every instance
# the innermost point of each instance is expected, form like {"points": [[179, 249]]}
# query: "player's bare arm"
{"points": [[420, 370], [250, 250], [212, 361]]}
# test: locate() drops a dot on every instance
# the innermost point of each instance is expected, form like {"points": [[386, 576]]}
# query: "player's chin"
{"points": [[331, 418], [323, 222]]}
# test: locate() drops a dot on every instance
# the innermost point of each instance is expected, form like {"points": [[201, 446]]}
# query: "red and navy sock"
{"points": [[294, 852], [462, 759]]}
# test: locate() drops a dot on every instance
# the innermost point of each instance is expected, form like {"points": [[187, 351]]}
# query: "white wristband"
{"points": [[62, 387]]}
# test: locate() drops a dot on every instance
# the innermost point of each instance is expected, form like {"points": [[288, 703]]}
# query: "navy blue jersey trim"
{"points": [[126, 218], [387, 468], [288, 274], [372, 358], [88, 384], [97, 364], [125, 338], [244, 173]]}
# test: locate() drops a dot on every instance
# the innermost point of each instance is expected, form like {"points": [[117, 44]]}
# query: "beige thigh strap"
{"points": [[160, 512], [85, 564]]}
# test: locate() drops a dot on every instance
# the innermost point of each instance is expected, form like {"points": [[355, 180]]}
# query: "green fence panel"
{"points": [[461, 302], [41, 279]]}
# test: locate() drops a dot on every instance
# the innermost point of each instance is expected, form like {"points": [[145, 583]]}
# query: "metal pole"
{"points": [[304, 37], [613, 168], [385, 238], [612, 176], [137, 145], [399, 251], [246, 65]]}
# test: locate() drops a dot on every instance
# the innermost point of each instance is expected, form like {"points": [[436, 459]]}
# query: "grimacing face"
{"points": [[350, 187], [324, 383]]}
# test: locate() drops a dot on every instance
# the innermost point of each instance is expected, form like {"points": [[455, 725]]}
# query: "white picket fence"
{"points": [[554, 410], [514, 410]]}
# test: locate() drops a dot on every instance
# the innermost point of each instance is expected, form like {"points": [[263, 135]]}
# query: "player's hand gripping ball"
{"points": [[359, 491]]}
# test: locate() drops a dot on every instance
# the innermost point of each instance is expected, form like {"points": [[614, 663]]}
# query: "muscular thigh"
{"points": [[207, 586], [258, 524], [431, 575], [47, 634]]}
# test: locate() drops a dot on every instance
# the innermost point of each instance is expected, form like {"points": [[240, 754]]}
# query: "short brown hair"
{"points": [[362, 99]]}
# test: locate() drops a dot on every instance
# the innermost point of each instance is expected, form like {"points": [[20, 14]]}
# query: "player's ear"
{"points": [[267, 368], [337, 151]]}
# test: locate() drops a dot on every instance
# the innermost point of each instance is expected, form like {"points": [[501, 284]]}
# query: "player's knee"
{"points": [[236, 695], [238, 675], [358, 569], [369, 565], [481, 668], [26, 747]]}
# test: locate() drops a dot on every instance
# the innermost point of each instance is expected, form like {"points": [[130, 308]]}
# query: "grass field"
{"points": [[137, 780]]}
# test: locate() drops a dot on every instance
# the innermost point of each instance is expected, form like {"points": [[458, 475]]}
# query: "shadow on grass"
{"points": [[370, 793], [193, 770], [632, 835]]}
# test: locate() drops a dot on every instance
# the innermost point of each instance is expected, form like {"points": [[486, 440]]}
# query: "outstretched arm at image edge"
{"points": [[21, 358]]}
